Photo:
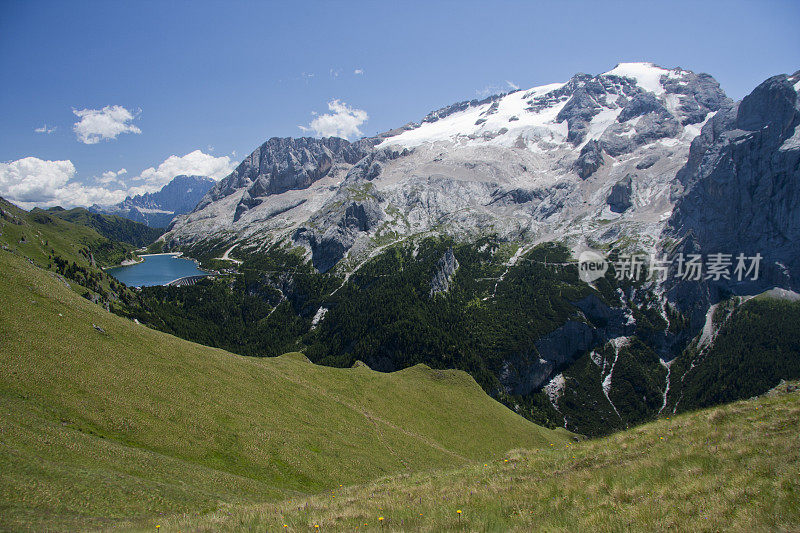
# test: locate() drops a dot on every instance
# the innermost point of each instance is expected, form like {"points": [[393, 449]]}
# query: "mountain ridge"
{"points": [[512, 158], [158, 209]]}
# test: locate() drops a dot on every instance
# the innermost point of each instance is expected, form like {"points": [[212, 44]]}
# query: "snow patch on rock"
{"points": [[647, 75]]}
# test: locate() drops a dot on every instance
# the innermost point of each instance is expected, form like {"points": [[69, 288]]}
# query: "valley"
{"points": [[364, 266]]}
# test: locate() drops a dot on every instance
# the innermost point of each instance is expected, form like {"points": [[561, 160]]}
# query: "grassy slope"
{"points": [[110, 226], [729, 468], [97, 427], [34, 234]]}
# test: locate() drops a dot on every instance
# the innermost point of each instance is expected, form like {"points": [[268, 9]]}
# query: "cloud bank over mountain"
{"points": [[33, 182]]}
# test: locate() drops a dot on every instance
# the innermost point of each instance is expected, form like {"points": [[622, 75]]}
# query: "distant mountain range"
{"points": [[158, 209]]}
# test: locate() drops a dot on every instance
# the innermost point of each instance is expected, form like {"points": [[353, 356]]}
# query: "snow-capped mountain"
{"points": [[159, 208], [593, 158]]}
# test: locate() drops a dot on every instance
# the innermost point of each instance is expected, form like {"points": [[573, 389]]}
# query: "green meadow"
{"points": [[106, 423], [729, 468]]}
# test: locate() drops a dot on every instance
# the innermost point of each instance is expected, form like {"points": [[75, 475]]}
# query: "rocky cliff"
{"points": [[739, 193]]}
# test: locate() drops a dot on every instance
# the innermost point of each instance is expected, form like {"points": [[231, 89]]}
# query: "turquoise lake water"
{"points": [[156, 270]]}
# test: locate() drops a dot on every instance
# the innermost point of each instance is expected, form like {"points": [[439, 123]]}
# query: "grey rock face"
{"points": [[700, 94], [567, 342], [647, 162], [445, 269], [642, 104], [588, 98], [589, 160], [461, 106], [527, 372], [620, 197], [611, 322], [623, 138], [524, 374], [740, 193], [355, 210], [331, 244], [283, 164]]}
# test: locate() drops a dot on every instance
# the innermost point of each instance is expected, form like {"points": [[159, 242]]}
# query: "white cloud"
{"points": [[110, 176], [45, 129], [78, 194], [342, 122], [358, 71], [96, 125], [30, 178], [33, 182], [194, 163], [513, 85]]}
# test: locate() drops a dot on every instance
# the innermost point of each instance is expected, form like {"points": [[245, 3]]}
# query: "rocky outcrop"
{"points": [[588, 96], [567, 342], [329, 246], [611, 322], [647, 162], [698, 95], [589, 160], [445, 269], [624, 138], [640, 105], [526, 373], [619, 199], [461, 106]]}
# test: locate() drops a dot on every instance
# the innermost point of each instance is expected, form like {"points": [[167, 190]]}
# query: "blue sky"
{"points": [[215, 79]]}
